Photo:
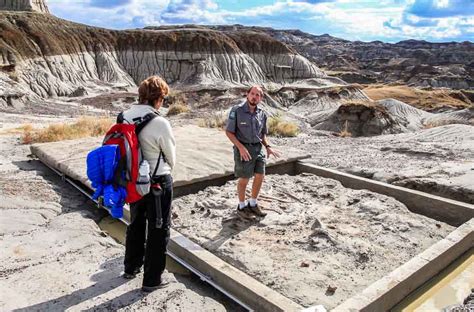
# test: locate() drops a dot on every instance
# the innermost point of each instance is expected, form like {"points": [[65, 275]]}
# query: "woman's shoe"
{"points": [[149, 289], [131, 275]]}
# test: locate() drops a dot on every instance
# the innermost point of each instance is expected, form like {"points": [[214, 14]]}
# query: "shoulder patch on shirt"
{"points": [[232, 114]]}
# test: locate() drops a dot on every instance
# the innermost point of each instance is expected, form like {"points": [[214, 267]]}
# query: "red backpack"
{"points": [[133, 172]]}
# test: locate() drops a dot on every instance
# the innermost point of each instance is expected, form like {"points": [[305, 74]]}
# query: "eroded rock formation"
{"points": [[24, 5], [54, 57], [413, 62]]}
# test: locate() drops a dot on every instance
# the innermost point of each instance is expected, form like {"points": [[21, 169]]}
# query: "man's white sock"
{"points": [[253, 202], [242, 204]]}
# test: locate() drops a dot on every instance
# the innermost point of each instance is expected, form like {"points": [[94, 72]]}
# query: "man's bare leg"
{"points": [[241, 187], [242, 211], [257, 184]]}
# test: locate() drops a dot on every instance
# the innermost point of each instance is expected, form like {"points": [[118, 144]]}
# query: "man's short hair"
{"points": [[258, 88], [151, 89]]}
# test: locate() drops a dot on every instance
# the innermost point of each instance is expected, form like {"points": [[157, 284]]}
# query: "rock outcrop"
{"points": [[359, 117], [24, 5]]}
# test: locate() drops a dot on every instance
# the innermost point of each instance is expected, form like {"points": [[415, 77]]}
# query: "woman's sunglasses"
{"points": [[166, 101]]}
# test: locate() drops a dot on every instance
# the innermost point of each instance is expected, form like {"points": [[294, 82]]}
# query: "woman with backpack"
{"points": [[158, 147]]}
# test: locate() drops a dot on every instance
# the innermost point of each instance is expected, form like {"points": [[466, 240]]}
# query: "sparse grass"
{"points": [[216, 120], [420, 98], [204, 101], [279, 127], [27, 127], [365, 103], [177, 109], [444, 122], [178, 103], [336, 89], [177, 97], [84, 127], [344, 133], [17, 130], [13, 76], [272, 88]]}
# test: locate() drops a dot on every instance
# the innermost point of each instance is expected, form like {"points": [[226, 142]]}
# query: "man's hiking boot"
{"points": [[256, 210], [131, 275], [245, 213]]}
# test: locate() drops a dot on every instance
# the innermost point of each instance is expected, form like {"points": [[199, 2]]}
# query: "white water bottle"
{"points": [[143, 179]]}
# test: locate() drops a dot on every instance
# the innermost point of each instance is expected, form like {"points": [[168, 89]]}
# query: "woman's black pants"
{"points": [[148, 247]]}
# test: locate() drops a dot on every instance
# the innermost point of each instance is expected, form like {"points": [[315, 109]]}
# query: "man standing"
{"points": [[247, 130]]}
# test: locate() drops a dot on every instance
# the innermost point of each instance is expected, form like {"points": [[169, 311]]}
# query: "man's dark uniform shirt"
{"points": [[248, 127]]}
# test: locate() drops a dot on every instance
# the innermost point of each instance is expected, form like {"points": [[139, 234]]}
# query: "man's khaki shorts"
{"points": [[247, 169]]}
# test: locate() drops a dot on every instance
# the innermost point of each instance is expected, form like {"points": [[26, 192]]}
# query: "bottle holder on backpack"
{"points": [[143, 180]]}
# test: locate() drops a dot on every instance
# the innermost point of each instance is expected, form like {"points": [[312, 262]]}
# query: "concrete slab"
{"points": [[202, 154]]}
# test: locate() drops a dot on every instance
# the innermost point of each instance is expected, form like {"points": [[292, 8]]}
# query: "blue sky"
{"points": [[366, 20]]}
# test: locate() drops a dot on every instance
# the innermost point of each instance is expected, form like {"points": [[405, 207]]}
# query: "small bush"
{"points": [[204, 100], [84, 127], [177, 109], [216, 120], [177, 97], [13, 75], [344, 133], [273, 88], [278, 127]]}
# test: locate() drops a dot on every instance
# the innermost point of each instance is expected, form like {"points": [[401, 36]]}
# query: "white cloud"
{"points": [[441, 4], [387, 20]]}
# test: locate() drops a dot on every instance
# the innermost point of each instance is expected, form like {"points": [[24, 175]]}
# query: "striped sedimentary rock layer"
{"points": [[24, 5], [53, 57]]}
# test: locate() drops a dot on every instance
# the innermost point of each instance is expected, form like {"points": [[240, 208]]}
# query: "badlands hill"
{"points": [[412, 62], [42, 55]]}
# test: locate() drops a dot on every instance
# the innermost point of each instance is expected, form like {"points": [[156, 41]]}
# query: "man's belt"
{"points": [[258, 143]]}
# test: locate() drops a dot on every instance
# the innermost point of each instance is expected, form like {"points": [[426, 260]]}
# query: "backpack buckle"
{"points": [[156, 186]]}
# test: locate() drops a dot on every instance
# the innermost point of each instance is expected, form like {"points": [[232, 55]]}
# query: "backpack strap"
{"points": [[157, 164], [144, 121], [139, 127], [120, 118]]}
